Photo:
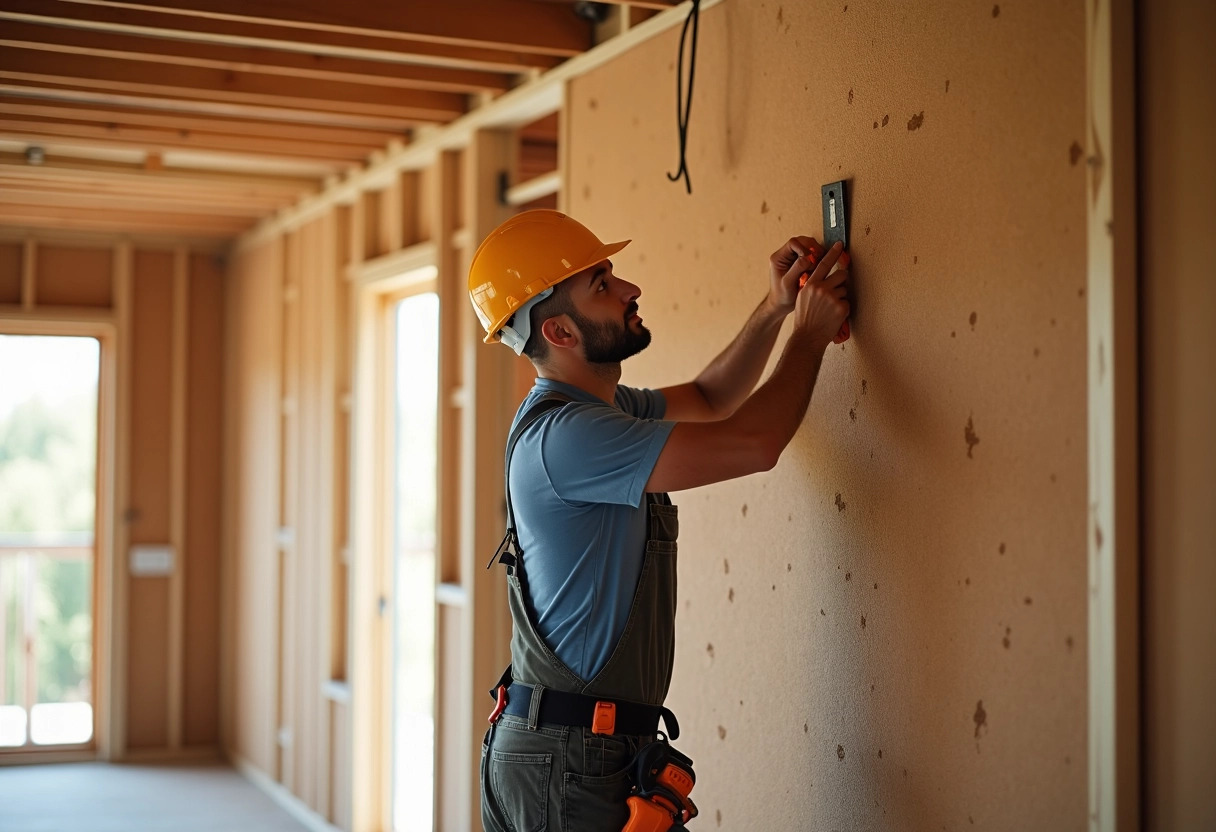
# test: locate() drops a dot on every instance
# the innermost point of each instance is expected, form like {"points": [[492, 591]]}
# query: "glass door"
{"points": [[417, 361], [48, 465]]}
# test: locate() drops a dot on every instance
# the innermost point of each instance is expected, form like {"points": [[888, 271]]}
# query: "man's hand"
{"points": [[783, 278], [822, 305]]}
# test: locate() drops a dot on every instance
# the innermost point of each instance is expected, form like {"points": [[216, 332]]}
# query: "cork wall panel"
{"points": [[74, 276], [11, 260], [200, 710], [887, 631]]}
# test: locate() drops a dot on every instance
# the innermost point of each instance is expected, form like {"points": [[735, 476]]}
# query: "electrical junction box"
{"points": [[835, 214]]}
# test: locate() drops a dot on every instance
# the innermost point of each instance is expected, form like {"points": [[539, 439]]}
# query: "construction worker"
{"points": [[591, 546]]}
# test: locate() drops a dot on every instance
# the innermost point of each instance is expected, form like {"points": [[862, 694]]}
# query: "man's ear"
{"points": [[560, 332]]}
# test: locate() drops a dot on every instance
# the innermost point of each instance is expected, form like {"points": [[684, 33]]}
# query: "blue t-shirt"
{"points": [[578, 477]]}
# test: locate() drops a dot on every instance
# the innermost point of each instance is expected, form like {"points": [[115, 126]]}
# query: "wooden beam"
{"points": [[29, 273], [514, 25], [140, 202], [41, 68], [158, 198], [383, 46], [75, 111], [37, 216], [256, 59], [162, 139], [197, 106], [162, 194], [178, 425], [12, 164], [658, 5], [1113, 420]]}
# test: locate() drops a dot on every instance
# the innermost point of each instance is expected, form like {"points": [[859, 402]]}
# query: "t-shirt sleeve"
{"points": [[598, 454], [641, 402]]}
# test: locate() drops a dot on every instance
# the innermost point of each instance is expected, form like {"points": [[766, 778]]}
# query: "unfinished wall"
{"points": [[1178, 346], [888, 630], [164, 302]]}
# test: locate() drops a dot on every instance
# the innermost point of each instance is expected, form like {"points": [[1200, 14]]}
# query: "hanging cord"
{"points": [[684, 105]]}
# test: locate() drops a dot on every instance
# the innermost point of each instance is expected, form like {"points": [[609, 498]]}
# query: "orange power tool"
{"points": [[660, 801]]}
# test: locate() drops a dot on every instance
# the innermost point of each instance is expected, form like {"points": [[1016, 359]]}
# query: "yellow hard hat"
{"points": [[521, 261]]}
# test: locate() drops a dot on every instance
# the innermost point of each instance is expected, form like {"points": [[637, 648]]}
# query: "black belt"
{"points": [[580, 710]]}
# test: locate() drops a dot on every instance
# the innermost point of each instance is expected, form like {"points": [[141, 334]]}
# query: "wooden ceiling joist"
{"points": [[199, 106], [121, 221], [33, 131], [516, 25], [12, 164], [36, 68], [189, 117], [64, 40], [140, 203], [384, 46], [20, 107]]}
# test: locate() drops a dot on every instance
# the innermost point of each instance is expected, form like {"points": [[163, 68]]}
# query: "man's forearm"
{"points": [[776, 410], [730, 377]]}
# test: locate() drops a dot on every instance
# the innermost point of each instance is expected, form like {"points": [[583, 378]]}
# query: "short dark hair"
{"points": [[558, 303]]}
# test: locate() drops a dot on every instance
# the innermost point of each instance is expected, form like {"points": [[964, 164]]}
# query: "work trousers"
{"points": [[557, 778]]}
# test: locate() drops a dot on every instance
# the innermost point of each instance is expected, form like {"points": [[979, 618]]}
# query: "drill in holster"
{"points": [[663, 778]]}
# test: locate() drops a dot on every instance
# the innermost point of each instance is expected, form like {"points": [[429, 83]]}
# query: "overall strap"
{"points": [[543, 405]]}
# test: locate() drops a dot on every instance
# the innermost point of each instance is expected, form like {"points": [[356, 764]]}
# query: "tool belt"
{"points": [[602, 716]]}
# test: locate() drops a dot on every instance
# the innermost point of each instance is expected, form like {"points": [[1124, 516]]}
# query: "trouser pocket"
{"points": [[521, 788], [595, 804]]}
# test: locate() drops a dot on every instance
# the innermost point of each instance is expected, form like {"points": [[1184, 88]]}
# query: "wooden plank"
{"points": [[29, 271], [147, 139], [130, 116], [251, 184], [484, 422], [222, 85], [178, 427], [136, 202], [37, 216], [451, 802], [1111, 298], [204, 487], [515, 25], [197, 106], [386, 45], [233, 58]]}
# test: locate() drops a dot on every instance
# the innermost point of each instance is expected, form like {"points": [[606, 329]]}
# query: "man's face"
{"points": [[607, 315]]}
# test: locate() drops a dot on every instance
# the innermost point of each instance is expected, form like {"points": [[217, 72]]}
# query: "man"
{"points": [[592, 578]]}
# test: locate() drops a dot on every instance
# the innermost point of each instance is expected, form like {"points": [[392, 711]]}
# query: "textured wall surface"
{"points": [[887, 631]]}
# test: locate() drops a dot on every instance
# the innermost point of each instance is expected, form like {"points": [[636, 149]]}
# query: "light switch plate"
{"points": [[836, 213], [150, 561]]}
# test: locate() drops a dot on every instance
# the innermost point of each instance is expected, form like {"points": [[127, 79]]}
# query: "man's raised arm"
{"points": [[726, 382]]}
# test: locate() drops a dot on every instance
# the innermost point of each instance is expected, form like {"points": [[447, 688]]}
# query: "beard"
{"points": [[605, 343]]}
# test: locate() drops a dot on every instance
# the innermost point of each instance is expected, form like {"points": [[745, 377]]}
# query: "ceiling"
{"points": [[205, 116]]}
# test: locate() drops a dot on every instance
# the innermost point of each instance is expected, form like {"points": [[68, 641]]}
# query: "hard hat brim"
{"points": [[602, 253]]}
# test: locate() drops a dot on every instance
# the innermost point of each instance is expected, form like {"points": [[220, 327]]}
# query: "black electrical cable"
{"points": [[684, 106]]}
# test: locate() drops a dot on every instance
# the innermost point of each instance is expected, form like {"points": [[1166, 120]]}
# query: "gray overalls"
{"points": [[537, 776]]}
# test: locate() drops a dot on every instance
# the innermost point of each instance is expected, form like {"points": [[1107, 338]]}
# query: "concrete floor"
{"points": [[103, 797]]}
